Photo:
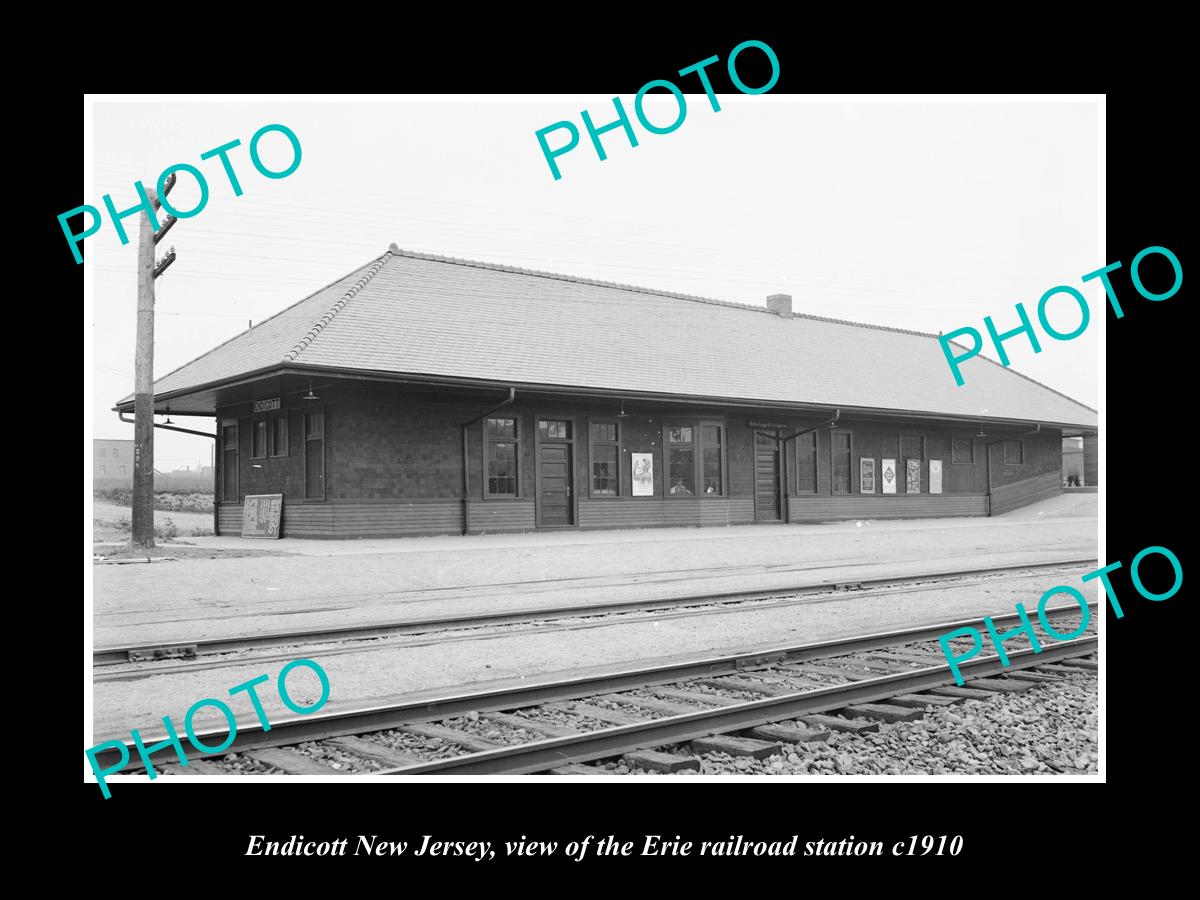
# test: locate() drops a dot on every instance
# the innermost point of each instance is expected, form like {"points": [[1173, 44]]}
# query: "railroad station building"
{"points": [[428, 395]]}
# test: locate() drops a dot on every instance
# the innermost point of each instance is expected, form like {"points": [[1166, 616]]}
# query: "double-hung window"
{"points": [[502, 444], [605, 456], [840, 462], [806, 463], [1014, 453], [962, 450], [314, 455], [229, 461]]}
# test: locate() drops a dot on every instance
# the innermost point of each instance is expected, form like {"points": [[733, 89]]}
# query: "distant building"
{"points": [[112, 464]]}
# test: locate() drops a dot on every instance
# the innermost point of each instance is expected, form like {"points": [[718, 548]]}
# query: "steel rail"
{"points": [[432, 707], [174, 650], [537, 756]]}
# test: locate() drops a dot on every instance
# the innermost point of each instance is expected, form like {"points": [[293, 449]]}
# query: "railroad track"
{"points": [[182, 653], [558, 725]]}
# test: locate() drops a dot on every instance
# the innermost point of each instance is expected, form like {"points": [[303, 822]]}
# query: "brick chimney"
{"points": [[780, 304]]}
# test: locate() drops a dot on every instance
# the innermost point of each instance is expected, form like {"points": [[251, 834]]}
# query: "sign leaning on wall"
{"points": [[643, 474], [260, 515], [935, 476], [866, 476]]}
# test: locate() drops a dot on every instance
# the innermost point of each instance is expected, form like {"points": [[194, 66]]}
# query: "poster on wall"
{"points": [[866, 476], [888, 474], [643, 474], [913, 482], [935, 476]]}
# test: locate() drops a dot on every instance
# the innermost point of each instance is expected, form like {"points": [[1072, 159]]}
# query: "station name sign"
{"points": [[267, 405], [773, 426]]}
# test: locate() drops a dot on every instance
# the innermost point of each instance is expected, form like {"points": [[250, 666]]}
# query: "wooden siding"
{"points": [[350, 520], [1022, 493], [885, 506], [658, 512], [501, 515]]}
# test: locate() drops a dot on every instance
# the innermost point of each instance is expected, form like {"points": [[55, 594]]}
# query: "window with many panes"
{"points": [[258, 438], [710, 459], [502, 443], [278, 436], [695, 459], [681, 460], [314, 455], [229, 462], [605, 455], [840, 462], [806, 463], [962, 450], [1014, 453], [912, 446]]}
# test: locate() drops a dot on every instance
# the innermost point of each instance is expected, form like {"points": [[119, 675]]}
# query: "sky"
{"points": [[925, 215]]}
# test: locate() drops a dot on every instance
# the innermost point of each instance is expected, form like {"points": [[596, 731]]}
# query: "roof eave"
{"points": [[490, 384]]}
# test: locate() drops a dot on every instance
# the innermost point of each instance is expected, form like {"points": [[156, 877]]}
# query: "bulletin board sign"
{"points": [[866, 476], [260, 515], [913, 480], [935, 476], [643, 474]]}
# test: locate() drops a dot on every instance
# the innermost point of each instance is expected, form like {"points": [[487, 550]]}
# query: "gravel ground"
{"points": [[1048, 730]]}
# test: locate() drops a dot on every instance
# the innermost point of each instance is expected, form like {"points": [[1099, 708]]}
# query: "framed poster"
{"points": [[260, 515], [935, 476], [913, 481], [888, 475], [643, 474], [866, 476]]}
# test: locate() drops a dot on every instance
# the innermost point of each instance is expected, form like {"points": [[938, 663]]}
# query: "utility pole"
{"points": [[143, 373]]}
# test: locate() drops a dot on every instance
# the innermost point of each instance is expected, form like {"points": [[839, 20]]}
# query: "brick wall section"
{"points": [[395, 449]]}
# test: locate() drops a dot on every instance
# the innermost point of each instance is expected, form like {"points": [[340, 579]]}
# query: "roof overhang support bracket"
{"points": [[121, 416]]}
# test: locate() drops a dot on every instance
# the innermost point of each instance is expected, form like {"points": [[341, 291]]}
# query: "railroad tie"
{"points": [[542, 728], [452, 735], [574, 769], [920, 701], [837, 723], [802, 668], [379, 753], [788, 734], [733, 682], [696, 697], [961, 693], [659, 706], [1089, 664], [1057, 669], [194, 767], [877, 665], [600, 713], [1041, 678], [736, 746], [1005, 685], [884, 711], [291, 762], [654, 761]]}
